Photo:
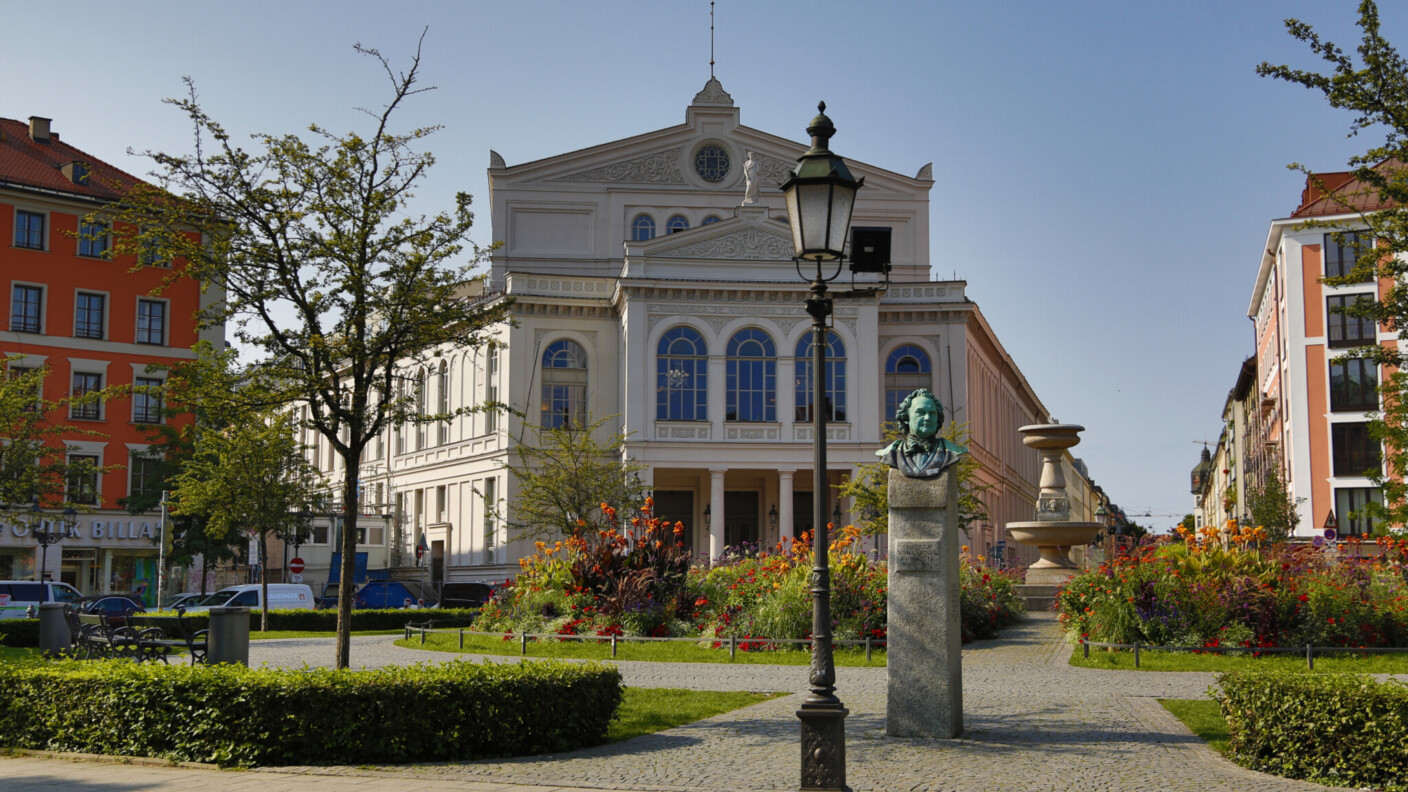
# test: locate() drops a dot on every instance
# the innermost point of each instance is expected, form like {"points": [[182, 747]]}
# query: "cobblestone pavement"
{"points": [[1032, 722]]}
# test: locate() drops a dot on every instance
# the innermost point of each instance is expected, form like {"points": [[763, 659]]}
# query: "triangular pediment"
{"points": [[750, 236]]}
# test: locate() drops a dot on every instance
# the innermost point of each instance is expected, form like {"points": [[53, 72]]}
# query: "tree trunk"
{"points": [[346, 586], [264, 579]]}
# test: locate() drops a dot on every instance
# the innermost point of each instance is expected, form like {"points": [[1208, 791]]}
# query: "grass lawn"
{"points": [[1187, 661], [646, 710], [1203, 718], [16, 654], [654, 651]]}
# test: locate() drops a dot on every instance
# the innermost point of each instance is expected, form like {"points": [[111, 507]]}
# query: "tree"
{"points": [[34, 461], [1273, 506], [1375, 91], [330, 277], [870, 491], [250, 478], [565, 475]]}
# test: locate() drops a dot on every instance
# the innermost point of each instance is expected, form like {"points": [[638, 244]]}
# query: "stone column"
{"points": [[784, 504], [925, 632], [716, 513]]}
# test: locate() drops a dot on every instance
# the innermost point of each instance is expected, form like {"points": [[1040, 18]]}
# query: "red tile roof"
{"points": [[29, 163], [1340, 193]]}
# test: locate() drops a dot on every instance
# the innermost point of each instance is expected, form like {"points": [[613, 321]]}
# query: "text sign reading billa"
{"points": [[917, 555]]}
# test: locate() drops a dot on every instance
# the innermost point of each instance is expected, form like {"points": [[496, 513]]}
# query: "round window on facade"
{"points": [[711, 163]]}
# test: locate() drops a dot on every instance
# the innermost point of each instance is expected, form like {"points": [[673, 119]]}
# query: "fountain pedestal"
{"points": [[1052, 532]]}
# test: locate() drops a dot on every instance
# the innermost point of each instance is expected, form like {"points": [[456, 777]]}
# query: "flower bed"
{"points": [[639, 581], [1201, 594]]}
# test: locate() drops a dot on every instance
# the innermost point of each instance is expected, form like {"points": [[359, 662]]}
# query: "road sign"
{"points": [[295, 578], [295, 565]]}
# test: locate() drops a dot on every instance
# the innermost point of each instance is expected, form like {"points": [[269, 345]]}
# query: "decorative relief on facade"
{"points": [[751, 433], [773, 171], [523, 308], [713, 94], [751, 244], [660, 167], [594, 288], [834, 434], [673, 431], [926, 292]]}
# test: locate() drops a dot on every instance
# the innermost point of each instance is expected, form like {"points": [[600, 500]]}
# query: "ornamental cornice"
{"points": [[525, 308], [660, 167]]}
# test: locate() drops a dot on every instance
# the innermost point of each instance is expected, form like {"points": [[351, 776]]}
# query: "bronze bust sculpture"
{"points": [[920, 453]]}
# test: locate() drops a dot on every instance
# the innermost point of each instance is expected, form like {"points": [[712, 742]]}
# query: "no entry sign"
{"points": [[295, 565]]}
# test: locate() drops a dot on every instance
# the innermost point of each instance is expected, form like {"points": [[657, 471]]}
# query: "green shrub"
{"points": [[19, 632], [232, 715], [1344, 729]]}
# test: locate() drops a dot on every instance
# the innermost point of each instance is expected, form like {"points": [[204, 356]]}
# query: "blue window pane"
{"points": [[642, 228], [681, 378], [906, 369], [676, 223], [751, 377], [835, 407], [564, 393]]}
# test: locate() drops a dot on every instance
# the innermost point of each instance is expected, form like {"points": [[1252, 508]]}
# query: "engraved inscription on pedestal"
{"points": [[917, 555]]}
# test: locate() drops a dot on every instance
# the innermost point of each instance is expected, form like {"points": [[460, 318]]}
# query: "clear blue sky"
{"points": [[1113, 162]]}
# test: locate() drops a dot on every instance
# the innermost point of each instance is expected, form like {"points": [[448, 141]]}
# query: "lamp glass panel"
{"points": [[795, 217], [815, 203], [842, 200]]}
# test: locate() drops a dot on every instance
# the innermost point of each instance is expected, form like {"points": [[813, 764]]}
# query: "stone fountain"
{"points": [[1053, 530]]}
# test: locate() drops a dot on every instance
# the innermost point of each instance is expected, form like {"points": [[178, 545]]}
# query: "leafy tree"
{"points": [[870, 490], [1273, 506], [34, 461], [1374, 89], [565, 475], [250, 477], [1189, 521], [330, 277]]}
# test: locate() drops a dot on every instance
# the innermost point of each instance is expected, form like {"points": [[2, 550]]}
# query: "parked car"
{"points": [[20, 598], [393, 594], [184, 600], [281, 596], [465, 595], [114, 606]]}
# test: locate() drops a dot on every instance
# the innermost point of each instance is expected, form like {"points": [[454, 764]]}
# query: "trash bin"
{"points": [[54, 638], [227, 639]]}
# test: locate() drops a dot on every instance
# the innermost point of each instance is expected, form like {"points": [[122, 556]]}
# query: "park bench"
{"points": [[159, 636], [99, 636]]}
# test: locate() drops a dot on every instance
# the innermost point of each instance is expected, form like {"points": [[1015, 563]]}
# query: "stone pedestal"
{"points": [[925, 631]]}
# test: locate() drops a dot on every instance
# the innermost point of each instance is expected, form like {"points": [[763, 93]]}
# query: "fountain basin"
{"points": [[1049, 537], [1051, 435]]}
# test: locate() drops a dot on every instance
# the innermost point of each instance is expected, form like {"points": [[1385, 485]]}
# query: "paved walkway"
{"points": [[1032, 723]]}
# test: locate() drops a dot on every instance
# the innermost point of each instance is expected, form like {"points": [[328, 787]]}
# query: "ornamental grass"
{"points": [[638, 579], [1207, 591]]}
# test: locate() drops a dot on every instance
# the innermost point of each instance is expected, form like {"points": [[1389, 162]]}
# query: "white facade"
{"points": [[595, 292]]}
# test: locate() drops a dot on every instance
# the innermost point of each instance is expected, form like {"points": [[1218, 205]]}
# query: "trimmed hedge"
{"points": [[25, 632], [1344, 729], [232, 715]]}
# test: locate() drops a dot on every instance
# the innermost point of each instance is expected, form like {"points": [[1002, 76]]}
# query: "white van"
{"points": [[281, 596], [18, 597]]}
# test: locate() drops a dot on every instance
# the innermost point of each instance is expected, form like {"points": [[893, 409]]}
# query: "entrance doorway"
{"points": [[437, 562], [740, 519], [673, 506], [802, 513]]}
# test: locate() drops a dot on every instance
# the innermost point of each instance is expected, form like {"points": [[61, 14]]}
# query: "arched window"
{"points": [[710, 219], [442, 401], [681, 376], [642, 228], [491, 390], [422, 383], [676, 224], [564, 385], [906, 369], [751, 377], [835, 404]]}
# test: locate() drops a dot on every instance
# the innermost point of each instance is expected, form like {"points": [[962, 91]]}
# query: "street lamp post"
{"points": [[44, 537], [820, 194]]}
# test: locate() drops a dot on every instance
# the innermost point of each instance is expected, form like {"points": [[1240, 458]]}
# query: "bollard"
{"points": [[54, 638], [422, 636], [461, 637], [733, 647], [523, 643], [1085, 649], [867, 648], [613, 646], [228, 636], [1309, 657], [1136, 655]]}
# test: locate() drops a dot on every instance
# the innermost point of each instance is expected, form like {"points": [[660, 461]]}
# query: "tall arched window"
{"points": [[491, 389], [642, 228], [835, 404], [422, 383], [442, 401], [906, 369], [751, 377], [681, 376], [676, 224], [564, 385]]}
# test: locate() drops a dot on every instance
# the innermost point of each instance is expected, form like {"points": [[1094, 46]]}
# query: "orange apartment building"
{"points": [[1312, 398], [94, 320]]}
